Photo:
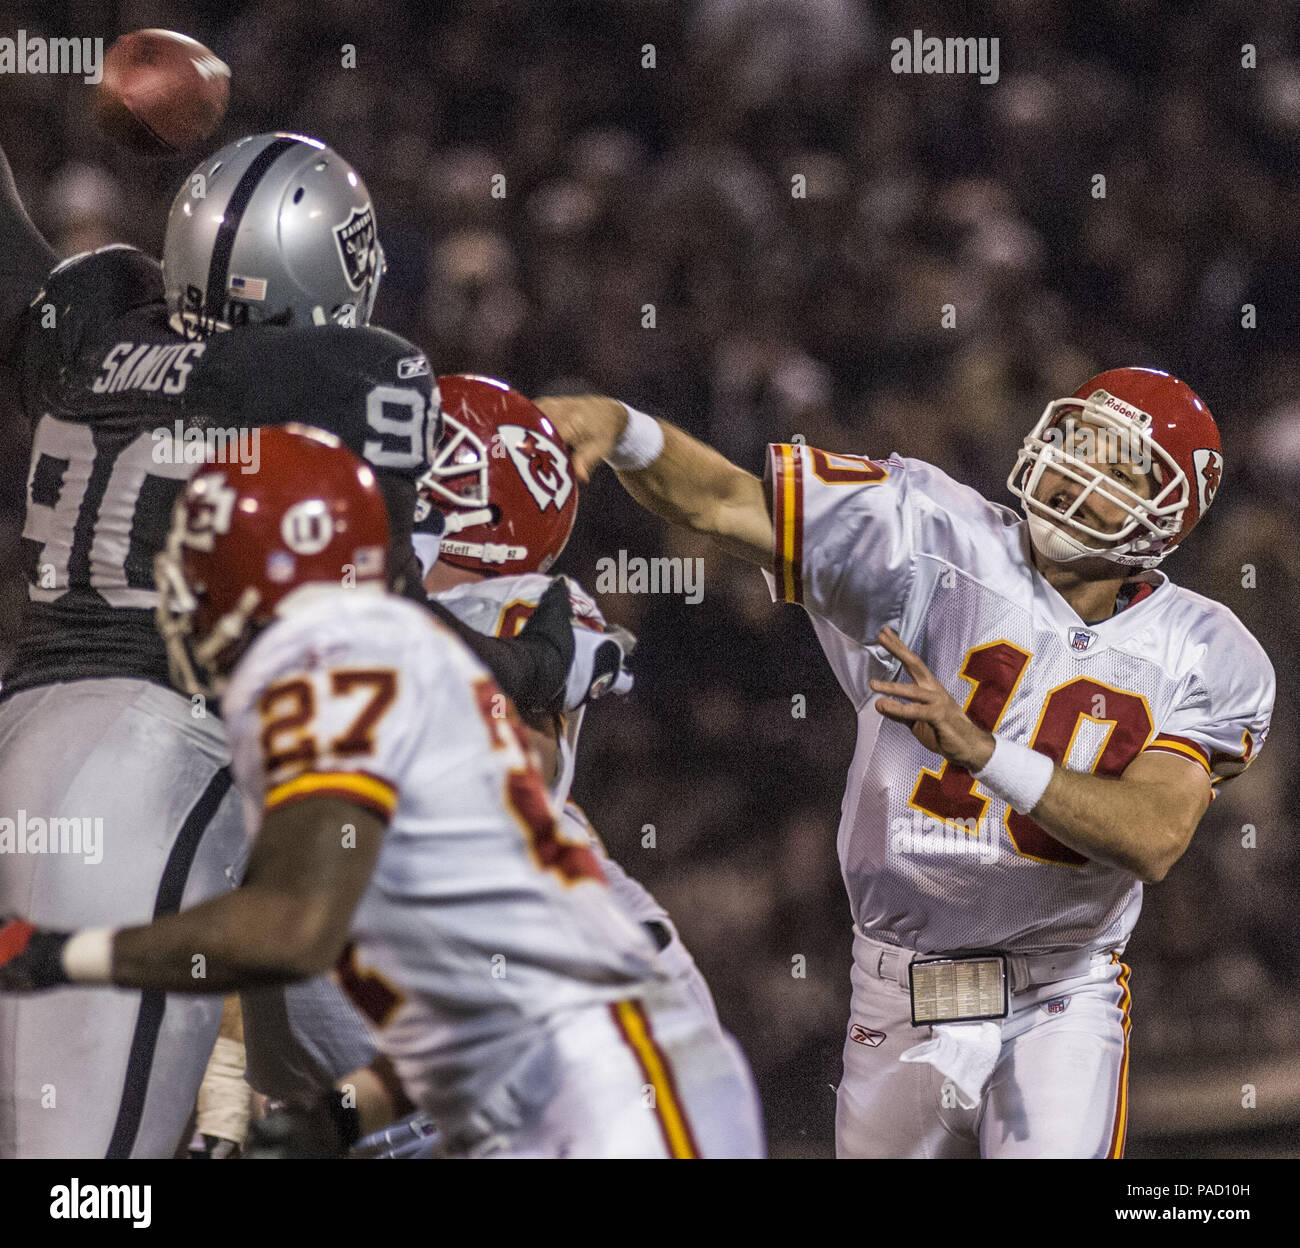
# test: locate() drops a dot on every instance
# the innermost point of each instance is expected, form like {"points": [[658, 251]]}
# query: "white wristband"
{"points": [[1017, 774], [639, 445], [88, 956], [225, 1100]]}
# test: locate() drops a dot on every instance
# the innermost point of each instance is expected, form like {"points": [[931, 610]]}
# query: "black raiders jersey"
{"points": [[122, 408]]}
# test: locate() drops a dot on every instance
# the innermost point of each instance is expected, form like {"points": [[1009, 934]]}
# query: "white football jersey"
{"points": [[500, 606], [931, 860], [484, 919]]}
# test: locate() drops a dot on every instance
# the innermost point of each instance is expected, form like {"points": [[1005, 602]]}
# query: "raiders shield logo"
{"points": [[543, 466], [356, 243]]}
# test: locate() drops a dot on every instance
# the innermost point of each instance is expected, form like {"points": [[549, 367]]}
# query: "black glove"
{"points": [[31, 958], [533, 667], [548, 634], [327, 1128]]}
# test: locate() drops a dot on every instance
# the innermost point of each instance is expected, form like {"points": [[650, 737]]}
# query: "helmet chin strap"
{"points": [[1055, 544]]}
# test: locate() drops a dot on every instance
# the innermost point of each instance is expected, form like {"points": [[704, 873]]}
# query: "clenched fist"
{"points": [[590, 424]]}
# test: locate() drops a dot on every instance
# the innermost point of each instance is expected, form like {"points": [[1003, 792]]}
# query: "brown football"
{"points": [[161, 92]]}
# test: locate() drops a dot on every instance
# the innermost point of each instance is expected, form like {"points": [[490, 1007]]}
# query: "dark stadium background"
{"points": [[819, 316]]}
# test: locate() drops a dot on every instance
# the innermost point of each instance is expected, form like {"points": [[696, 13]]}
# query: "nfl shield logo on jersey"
{"points": [[1081, 638], [1057, 1005]]}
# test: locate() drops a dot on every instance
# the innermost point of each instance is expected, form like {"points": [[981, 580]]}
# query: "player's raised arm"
{"points": [[668, 472], [25, 257]]}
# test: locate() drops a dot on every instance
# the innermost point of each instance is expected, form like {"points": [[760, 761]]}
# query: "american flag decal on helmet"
{"points": [[248, 287]]}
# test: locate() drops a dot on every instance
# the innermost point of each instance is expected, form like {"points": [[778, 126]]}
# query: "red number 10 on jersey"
{"points": [[995, 671]]}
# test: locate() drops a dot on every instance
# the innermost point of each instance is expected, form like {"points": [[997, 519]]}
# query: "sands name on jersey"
{"points": [[147, 366]]}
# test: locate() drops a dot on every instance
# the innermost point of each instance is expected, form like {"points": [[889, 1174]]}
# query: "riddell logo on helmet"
{"points": [[1102, 398]]}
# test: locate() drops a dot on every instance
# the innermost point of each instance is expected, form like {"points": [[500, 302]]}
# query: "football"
{"points": [[161, 93]]}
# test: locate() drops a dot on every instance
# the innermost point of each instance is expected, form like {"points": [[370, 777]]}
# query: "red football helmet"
{"points": [[242, 543], [1125, 417], [502, 479]]}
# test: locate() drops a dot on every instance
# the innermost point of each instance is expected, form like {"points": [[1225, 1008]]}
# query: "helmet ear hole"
{"points": [[298, 194], [496, 513]]}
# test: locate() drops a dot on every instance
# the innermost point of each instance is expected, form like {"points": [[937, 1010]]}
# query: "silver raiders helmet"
{"points": [[273, 229]]}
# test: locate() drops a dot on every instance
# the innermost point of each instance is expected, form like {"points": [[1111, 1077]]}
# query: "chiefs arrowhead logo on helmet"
{"points": [[1209, 469], [501, 478], [542, 465]]}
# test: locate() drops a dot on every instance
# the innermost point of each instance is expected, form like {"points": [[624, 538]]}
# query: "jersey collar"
{"points": [[1082, 638]]}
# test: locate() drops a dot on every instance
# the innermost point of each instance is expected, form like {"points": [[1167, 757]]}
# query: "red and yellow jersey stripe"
{"points": [[787, 521], [634, 1025], [362, 787], [1119, 1132], [1167, 743]]}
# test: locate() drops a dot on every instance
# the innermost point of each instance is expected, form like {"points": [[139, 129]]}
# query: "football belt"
{"points": [[958, 990]]}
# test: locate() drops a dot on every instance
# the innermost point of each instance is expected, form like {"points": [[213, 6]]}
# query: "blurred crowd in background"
{"points": [[650, 241]]}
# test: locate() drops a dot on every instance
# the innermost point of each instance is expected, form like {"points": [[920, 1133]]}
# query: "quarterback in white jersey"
{"points": [[407, 836], [1043, 719]]}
